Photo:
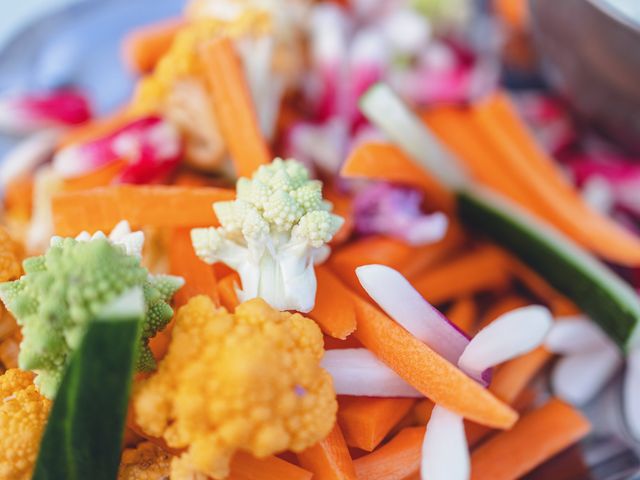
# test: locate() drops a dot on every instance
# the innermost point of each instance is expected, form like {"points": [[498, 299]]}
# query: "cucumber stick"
{"points": [[599, 292], [83, 436]]}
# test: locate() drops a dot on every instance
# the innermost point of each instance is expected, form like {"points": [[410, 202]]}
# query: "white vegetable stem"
{"points": [[444, 450]]}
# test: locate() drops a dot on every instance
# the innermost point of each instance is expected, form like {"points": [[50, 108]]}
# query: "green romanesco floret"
{"points": [[62, 290], [272, 235]]}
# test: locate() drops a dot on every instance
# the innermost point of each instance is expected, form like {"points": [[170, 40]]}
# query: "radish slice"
{"points": [[510, 335], [395, 295], [445, 454], [357, 371], [631, 392], [578, 378], [575, 335]]}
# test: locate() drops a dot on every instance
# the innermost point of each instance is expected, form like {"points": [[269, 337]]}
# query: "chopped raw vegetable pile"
{"points": [[386, 303]]}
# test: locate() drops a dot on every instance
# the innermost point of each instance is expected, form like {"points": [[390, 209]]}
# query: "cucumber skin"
{"points": [[605, 298]]}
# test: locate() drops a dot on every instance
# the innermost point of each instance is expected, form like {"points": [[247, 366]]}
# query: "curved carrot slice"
{"points": [[366, 421], [100, 177], [427, 371], [538, 436], [227, 291], [384, 161], [343, 206], [157, 206], [334, 310], [144, 46], [233, 106], [511, 378], [329, 459], [183, 261], [464, 313]]}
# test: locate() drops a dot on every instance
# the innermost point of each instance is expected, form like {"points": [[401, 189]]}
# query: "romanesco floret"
{"points": [[247, 381], [272, 235], [23, 415], [144, 462], [65, 288]]}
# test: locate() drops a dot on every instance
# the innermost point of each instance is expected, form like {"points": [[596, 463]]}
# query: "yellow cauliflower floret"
{"points": [[145, 462], [23, 415], [10, 265], [247, 381]]}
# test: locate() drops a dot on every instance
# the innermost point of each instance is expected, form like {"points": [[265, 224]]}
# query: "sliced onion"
{"points": [[445, 454], [575, 335], [357, 371], [512, 334], [631, 394]]}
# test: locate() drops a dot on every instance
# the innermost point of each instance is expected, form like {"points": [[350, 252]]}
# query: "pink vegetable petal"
{"points": [[445, 454], [357, 371], [575, 335], [631, 394], [510, 335]]}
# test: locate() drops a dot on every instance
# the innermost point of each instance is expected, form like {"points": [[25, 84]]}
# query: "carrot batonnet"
{"points": [[150, 206], [464, 314], [511, 378], [143, 47], [384, 161], [366, 421], [329, 459], [342, 206], [227, 291], [247, 467], [426, 371], [100, 177], [505, 304], [538, 436], [334, 310], [199, 277], [234, 107]]}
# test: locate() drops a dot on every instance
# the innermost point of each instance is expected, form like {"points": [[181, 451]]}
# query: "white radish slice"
{"points": [[357, 371], [631, 394], [445, 454], [397, 297], [575, 335], [578, 378], [510, 335]]}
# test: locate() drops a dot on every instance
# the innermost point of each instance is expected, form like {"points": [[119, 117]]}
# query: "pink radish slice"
{"points": [[445, 454], [631, 394], [357, 371]]}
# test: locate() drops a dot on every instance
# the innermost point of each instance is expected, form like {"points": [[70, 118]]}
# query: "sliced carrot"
{"points": [[538, 436], [183, 261], [511, 378], [384, 161], [331, 343], [334, 310], [395, 460], [464, 313], [144, 46], [426, 371], [159, 344], [502, 306], [483, 269], [343, 206], [153, 206], [531, 280], [100, 177], [366, 421], [18, 196], [95, 128], [514, 13], [234, 107], [563, 307], [227, 291], [247, 467], [329, 459]]}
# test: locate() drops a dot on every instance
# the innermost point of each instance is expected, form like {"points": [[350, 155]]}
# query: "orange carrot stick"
{"points": [[502, 306], [247, 467], [538, 436], [395, 460], [464, 313], [484, 269], [234, 107], [366, 421], [383, 161], [342, 205], [100, 177], [143, 47], [18, 198], [427, 371], [227, 291], [199, 276], [511, 378], [157, 206], [333, 311], [329, 459], [95, 128]]}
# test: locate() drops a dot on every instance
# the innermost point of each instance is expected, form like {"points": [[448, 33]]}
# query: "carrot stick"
{"points": [[464, 313], [333, 311], [514, 13], [100, 177], [342, 205], [563, 307], [247, 467], [531, 280], [484, 269], [383, 161], [144, 46], [95, 128], [502, 306], [157, 206], [183, 261], [234, 107], [427, 371], [332, 343], [512, 377], [329, 459], [395, 460], [18, 196], [227, 291], [366, 421], [538, 436]]}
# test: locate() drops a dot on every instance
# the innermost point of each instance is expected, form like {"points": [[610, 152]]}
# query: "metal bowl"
{"points": [[590, 54]]}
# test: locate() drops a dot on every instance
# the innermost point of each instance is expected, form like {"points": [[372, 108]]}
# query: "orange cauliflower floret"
{"points": [[246, 381], [23, 415], [10, 265], [145, 462]]}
